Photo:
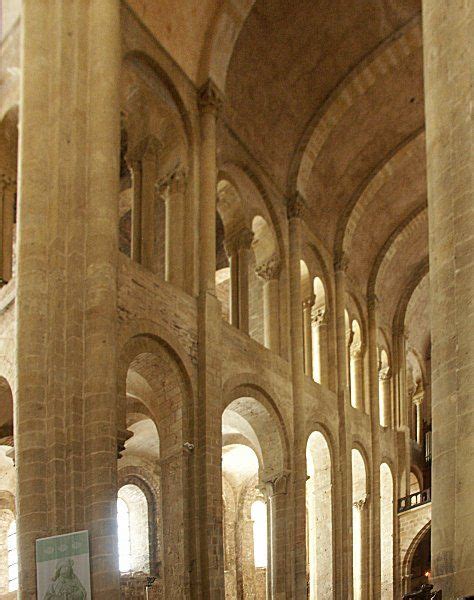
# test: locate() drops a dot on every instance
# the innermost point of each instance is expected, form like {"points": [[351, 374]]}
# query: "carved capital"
{"points": [[385, 373], [7, 182], [270, 269], [276, 484], [210, 97], [174, 183], [319, 316], [372, 302], [356, 350], [148, 148], [241, 240], [418, 398], [308, 302], [341, 262], [361, 503], [295, 206]]}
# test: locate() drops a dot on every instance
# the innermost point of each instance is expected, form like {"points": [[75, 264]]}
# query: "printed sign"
{"points": [[62, 567]]}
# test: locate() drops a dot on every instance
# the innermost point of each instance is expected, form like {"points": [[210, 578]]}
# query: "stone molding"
{"points": [[122, 436]]}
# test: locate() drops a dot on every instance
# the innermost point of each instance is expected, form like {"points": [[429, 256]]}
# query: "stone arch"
{"points": [[168, 398], [150, 486], [387, 56], [408, 557], [221, 37], [411, 226], [267, 432]]}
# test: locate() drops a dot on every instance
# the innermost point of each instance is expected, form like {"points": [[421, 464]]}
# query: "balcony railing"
{"points": [[414, 500]]}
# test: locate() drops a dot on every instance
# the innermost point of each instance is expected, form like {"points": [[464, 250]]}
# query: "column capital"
{"points": [[309, 301], [173, 183], [385, 373], [418, 397], [275, 484], [270, 269], [149, 147], [341, 262], [319, 316], [372, 301], [240, 240], [6, 182], [361, 503], [356, 350], [210, 98], [295, 206]]}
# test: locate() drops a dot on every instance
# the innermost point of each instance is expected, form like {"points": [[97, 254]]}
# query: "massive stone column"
{"points": [[65, 421], [209, 410], [296, 208], [448, 31]]}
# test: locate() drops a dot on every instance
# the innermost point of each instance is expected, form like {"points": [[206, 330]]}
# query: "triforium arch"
{"points": [[252, 426], [156, 172], [156, 405], [421, 536]]}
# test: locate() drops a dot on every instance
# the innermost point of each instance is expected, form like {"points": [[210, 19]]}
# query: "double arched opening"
{"points": [[154, 203], [152, 510], [254, 486], [248, 260], [316, 328]]}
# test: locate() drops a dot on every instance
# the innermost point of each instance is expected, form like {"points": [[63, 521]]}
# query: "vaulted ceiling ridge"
{"points": [[399, 150], [406, 152], [398, 237], [387, 56]]}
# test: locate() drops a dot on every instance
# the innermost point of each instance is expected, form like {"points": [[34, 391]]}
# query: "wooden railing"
{"points": [[414, 500]]}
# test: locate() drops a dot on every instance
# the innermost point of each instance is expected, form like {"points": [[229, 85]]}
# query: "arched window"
{"points": [[132, 529], [259, 518], [12, 558]]}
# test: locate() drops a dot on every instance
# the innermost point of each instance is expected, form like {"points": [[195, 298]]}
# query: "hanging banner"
{"points": [[63, 568]]}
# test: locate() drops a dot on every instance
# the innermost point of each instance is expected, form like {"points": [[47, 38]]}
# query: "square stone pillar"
{"points": [[448, 49], [65, 409]]}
